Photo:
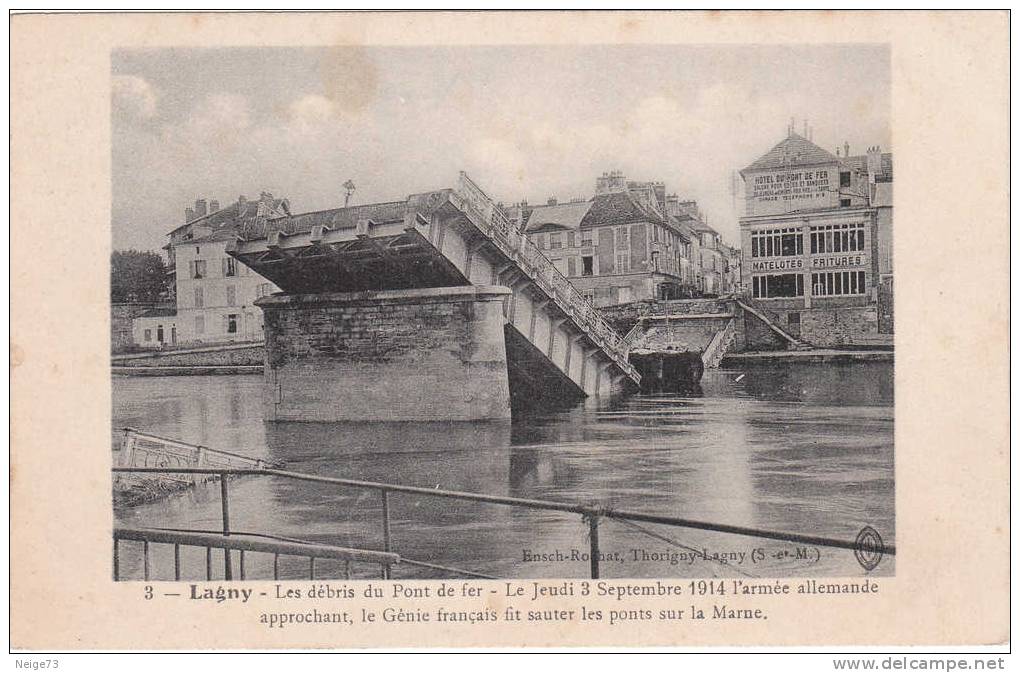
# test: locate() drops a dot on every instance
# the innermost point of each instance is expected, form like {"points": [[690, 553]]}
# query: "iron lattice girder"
{"points": [[385, 255]]}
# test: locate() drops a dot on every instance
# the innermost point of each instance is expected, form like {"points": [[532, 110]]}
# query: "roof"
{"points": [[617, 208], [565, 215], [794, 150], [227, 221], [860, 162], [159, 313]]}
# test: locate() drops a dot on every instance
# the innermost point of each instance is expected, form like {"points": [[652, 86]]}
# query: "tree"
{"points": [[137, 276]]}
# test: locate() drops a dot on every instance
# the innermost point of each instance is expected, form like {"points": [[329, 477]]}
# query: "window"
{"points": [[229, 267], [777, 243], [623, 238], [159, 334], [780, 285], [199, 324], [540, 241], [555, 241], [586, 238], [655, 260], [231, 323], [793, 318], [197, 268], [264, 290], [844, 203], [623, 262], [837, 238], [589, 295], [231, 296], [844, 178], [199, 297], [837, 283], [148, 335], [587, 265]]}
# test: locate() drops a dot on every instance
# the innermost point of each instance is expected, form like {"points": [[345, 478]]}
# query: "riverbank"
{"points": [[817, 355], [186, 371], [232, 358]]}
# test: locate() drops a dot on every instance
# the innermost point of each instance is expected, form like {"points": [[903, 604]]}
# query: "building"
{"points": [[730, 281], [816, 238], [620, 246], [123, 316], [155, 328], [214, 295]]}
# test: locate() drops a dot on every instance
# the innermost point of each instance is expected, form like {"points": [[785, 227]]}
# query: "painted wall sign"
{"points": [[790, 189], [791, 185], [838, 260], [777, 265]]}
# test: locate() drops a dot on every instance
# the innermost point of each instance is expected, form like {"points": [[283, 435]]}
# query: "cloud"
{"points": [[134, 96], [312, 110]]}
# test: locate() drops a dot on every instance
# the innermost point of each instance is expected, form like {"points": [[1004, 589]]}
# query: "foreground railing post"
{"points": [[593, 538], [225, 507], [386, 528]]}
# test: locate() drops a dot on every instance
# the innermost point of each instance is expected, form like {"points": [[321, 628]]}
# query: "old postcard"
{"points": [[358, 330]]}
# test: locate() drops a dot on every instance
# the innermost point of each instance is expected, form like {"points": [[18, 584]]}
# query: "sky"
{"points": [[524, 122]]}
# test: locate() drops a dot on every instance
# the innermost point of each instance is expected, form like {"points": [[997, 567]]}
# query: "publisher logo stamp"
{"points": [[868, 548]]}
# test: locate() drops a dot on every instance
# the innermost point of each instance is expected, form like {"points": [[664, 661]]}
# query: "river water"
{"points": [[802, 448]]}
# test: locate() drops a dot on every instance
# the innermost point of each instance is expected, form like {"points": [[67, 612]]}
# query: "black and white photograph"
{"points": [[620, 311]]}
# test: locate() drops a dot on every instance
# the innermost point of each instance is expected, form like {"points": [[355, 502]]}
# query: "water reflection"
{"points": [[800, 448]]}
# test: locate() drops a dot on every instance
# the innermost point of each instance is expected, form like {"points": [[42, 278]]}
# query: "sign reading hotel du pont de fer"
{"points": [[791, 189]]}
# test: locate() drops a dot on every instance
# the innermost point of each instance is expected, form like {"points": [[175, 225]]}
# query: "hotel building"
{"points": [[816, 237]]}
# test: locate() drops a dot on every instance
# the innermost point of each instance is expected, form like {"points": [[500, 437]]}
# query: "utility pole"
{"points": [[349, 189]]}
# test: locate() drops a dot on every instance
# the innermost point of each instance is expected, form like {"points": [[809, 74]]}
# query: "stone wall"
{"points": [[624, 316], [689, 334], [755, 335], [839, 327], [228, 355], [425, 354]]}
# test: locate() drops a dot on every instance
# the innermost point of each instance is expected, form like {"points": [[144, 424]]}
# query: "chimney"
{"points": [[789, 129], [189, 215], [874, 162], [200, 208], [846, 149], [552, 201], [837, 152], [242, 205], [613, 181], [214, 206]]}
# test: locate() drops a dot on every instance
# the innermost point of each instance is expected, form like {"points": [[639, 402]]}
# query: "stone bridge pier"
{"points": [[387, 355]]}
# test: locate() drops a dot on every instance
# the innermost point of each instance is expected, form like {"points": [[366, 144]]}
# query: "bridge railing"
{"points": [[868, 547], [498, 227]]}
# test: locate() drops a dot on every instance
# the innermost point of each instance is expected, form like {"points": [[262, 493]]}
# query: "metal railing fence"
{"points": [[591, 514]]}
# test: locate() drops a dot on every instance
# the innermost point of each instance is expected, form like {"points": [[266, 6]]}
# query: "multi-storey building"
{"points": [[620, 246], [729, 278], [816, 240], [214, 294]]}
